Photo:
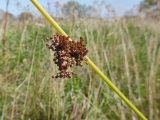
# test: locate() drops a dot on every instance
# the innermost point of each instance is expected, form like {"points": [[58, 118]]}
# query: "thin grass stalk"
{"points": [[5, 29], [152, 51], [132, 51], [13, 108], [89, 61], [29, 79], [119, 105], [126, 65]]}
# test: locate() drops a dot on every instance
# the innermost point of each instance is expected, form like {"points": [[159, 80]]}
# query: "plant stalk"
{"points": [[94, 67]]}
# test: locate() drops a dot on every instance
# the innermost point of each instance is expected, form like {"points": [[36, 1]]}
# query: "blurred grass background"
{"points": [[126, 50]]}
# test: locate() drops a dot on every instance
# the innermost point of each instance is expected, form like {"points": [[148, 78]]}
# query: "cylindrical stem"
{"points": [[94, 67], [115, 89], [49, 18]]}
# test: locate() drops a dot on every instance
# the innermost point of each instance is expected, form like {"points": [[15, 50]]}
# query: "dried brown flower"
{"points": [[67, 53]]}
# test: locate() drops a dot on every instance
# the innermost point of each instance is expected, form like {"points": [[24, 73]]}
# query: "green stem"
{"points": [[94, 67]]}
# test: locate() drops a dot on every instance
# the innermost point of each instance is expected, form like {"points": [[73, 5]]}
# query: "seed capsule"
{"points": [[67, 53]]}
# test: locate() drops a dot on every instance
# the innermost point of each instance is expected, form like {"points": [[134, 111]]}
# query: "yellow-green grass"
{"points": [[128, 52]]}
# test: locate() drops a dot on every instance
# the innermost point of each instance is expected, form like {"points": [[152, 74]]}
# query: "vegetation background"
{"points": [[126, 48]]}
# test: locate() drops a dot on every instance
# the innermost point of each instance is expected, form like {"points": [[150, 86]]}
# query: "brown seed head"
{"points": [[66, 54]]}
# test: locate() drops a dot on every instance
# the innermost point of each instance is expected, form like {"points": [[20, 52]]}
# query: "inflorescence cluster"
{"points": [[67, 53]]}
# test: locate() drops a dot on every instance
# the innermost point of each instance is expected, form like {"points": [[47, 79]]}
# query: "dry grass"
{"points": [[127, 51]]}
